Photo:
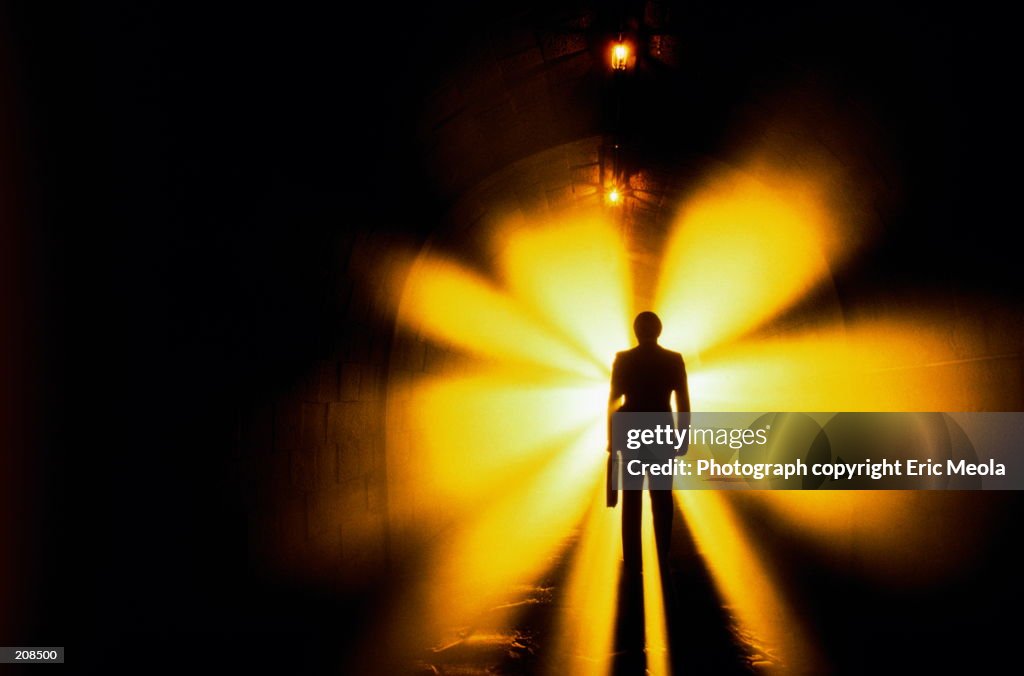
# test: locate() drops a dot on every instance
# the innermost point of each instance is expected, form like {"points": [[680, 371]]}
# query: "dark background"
{"points": [[179, 178]]}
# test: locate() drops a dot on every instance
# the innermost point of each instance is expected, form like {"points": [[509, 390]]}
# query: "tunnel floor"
{"points": [[851, 624], [702, 633]]}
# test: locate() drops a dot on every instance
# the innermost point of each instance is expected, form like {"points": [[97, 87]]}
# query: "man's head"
{"points": [[647, 327]]}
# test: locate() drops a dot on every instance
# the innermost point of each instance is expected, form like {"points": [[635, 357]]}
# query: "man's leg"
{"points": [[662, 510], [631, 511]]}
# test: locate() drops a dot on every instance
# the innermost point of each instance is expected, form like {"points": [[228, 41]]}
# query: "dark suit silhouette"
{"points": [[644, 379]]}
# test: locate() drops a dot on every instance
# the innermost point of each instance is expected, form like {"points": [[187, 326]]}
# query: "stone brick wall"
{"points": [[310, 465]]}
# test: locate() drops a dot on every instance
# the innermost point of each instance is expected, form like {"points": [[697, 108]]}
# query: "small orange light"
{"points": [[620, 56], [614, 196]]}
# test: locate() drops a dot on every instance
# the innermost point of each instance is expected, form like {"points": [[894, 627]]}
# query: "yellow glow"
{"points": [[614, 196], [497, 424], [457, 308], [889, 536], [881, 365], [743, 249], [743, 579], [512, 536], [585, 632], [494, 453], [620, 56], [498, 453], [575, 275]]}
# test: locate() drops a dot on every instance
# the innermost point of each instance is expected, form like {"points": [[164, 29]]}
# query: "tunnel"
{"points": [[331, 293]]}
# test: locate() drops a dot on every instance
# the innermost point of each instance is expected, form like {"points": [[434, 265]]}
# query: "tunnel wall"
{"points": [[310, 459]]}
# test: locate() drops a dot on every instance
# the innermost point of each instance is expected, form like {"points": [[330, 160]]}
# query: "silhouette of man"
{"points": [[644, 380]]}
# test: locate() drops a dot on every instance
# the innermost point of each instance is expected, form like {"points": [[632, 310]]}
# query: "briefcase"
{"points": [[612, 497]]}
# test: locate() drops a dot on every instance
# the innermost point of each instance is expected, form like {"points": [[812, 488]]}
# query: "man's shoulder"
{"points": [[639, 349], [670, 354], [639, 355]]}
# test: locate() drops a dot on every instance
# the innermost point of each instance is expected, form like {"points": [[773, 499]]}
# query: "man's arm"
{"points": [[682, 392], [614, 397], [681, 388]]}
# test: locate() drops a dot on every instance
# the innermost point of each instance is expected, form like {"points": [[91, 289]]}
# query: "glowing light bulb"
{"points": [[620, 56], [614, 196]]}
